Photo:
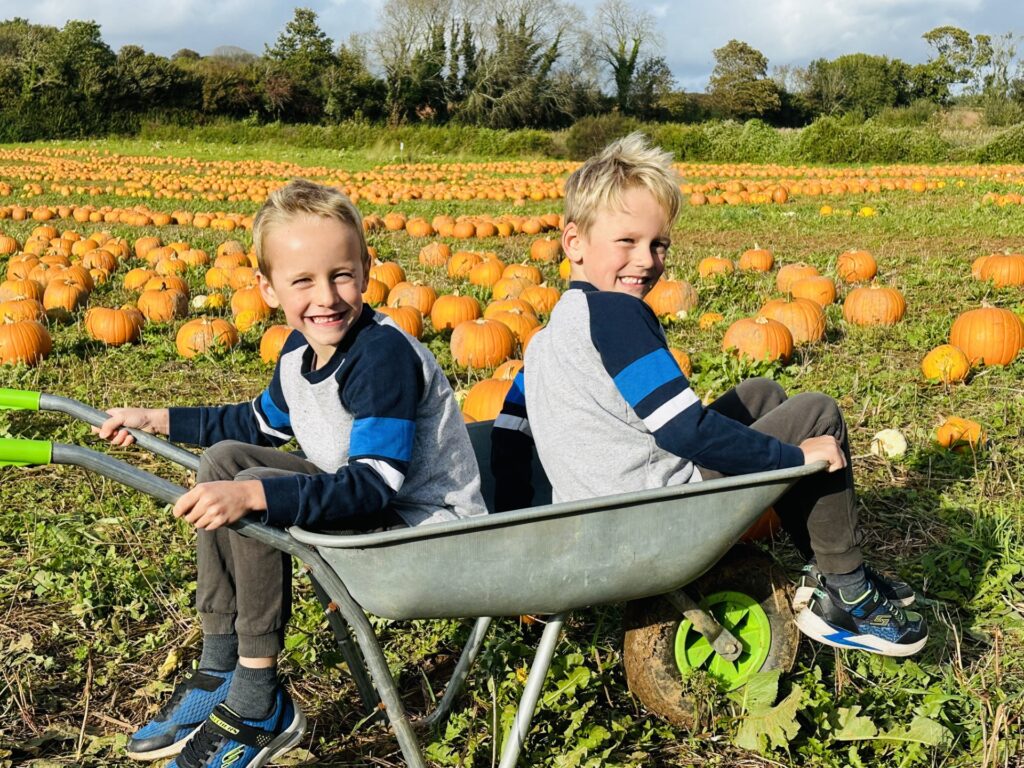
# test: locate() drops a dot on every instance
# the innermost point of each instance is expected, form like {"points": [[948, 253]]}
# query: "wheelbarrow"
{"points": [[549, 559]]}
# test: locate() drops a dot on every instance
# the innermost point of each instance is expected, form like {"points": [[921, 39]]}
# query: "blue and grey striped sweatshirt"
{"points": [[610, 411], [379, 419]]}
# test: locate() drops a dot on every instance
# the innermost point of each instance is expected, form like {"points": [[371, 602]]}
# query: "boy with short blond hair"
{"points": [[373, 414], [602, 369]]}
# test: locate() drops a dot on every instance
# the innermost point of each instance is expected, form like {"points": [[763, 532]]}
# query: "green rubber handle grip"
{"points": [[24, 453], [19, 400]]}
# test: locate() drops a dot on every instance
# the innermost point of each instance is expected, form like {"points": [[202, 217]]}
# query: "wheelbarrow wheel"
{"points": [[748, 594]]}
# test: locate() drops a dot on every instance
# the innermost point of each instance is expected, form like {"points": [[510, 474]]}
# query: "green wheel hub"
{"points": [[746, 620]]}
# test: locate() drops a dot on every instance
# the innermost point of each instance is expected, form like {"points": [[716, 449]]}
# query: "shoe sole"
{"points": [[802, 598], [820, 630], [288, 738], [168, 751]]}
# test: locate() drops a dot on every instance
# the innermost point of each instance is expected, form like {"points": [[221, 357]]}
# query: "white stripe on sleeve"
{"points": [[393, 477], [266, 428], [671, 409], [515, 423]]}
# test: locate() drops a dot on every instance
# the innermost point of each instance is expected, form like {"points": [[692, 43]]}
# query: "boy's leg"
{"points": [[749, 400]]}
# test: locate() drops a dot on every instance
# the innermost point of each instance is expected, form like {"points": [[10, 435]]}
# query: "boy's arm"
{"points": [[512, 451], [262, 421], [380, 385], [634, 352]]}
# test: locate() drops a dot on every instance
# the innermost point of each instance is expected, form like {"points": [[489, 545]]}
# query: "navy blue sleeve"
{"points": [[633, 349], [262, 421], [512, 451], [380, 384]]}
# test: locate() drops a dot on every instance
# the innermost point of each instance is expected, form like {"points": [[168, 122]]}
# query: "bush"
{"points": [[1007, 147], [827, 140], [689, 143], [590, 135], [920, 112]]}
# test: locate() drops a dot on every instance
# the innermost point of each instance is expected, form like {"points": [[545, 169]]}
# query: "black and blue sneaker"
{"points": [[192, 701], [895, 591], [869, 623], [226, 740]]}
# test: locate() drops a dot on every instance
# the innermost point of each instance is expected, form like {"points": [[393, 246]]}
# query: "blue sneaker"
{"points": [[192, 701], [870, 623], [225, 740], [895, 591]]}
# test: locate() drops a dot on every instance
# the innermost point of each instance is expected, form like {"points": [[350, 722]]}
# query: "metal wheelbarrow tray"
{"points": [[547, 559]]}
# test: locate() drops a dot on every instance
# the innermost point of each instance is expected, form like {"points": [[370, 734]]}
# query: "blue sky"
{"points": [[786, 31]]}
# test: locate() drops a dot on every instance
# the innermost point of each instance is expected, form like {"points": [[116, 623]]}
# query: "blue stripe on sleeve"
{"points": [[517, 393], [641, 377], [276, 418], [382, 436]]}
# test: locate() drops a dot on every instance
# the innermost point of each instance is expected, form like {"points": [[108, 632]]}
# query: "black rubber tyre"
{"points": [[651, 625]]}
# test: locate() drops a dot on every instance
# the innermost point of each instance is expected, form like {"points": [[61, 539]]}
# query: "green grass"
{"points": [[96, 582]]}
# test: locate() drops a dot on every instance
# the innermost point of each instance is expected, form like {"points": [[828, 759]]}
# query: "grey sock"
{"points": [[851, 587], [220, 653], [251, 694]]}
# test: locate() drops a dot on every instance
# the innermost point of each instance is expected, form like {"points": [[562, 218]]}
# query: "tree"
{"points": [[739, 82], [652, 84], [623, 31], [352, 90], [298, 61], [958, 57], [857, 82]]}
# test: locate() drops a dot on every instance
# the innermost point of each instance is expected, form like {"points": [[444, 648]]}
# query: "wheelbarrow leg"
{"points": [[531, 693], [349, 651], [455, 685]]}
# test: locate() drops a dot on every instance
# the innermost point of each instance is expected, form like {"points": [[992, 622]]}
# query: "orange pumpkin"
{"points": [[856, 266], [1004, 269], [545, 249], [988, 336], [485, 399], [960, 434], [21, 309], [482, 343], [376, 292], [759, 338], [804, 318], [272, 342], [526, 272], [408, 318], [874, 305], [435, 254], [819, 289], [486, 273], [205, 334], [756, 260], [790, 273], [671, 298], [159, 306], [450, 310], [114, 327], [417, 295], [946, 363], [541, 297], [388, 272], [714, 265], [24, 341]]}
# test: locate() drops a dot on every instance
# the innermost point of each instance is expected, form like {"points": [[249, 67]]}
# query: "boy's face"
{"points": [[316, 277], [625, 249]]}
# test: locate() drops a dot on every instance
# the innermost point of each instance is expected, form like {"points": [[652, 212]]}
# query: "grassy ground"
{"points": [[96, 582]]}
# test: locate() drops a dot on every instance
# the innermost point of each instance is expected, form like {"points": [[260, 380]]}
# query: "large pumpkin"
{"points": [[988, 336], [114, 326], [485, 399], [1004, 269], [874, 305], [804, 318], [482, 343], [671, 298], [24, 341], [759, 338], [450, 310]]}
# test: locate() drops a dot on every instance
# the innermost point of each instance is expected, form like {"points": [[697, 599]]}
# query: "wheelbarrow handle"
{"points": [[16, 399], [24, 453]]}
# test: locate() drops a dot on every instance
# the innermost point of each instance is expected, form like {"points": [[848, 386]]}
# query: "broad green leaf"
{"points": [[772, 727], [574, 678], [922, 730], [854, 727], [759, 693]]}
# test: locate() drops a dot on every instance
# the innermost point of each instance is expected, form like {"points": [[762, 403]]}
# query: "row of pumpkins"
{"points": [[54, 275]]}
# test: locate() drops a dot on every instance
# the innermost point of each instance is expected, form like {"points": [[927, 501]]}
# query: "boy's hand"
{"points": [[824, 448], [115, 429], [211, 505]]}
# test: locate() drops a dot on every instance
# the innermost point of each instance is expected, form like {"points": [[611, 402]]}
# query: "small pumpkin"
{"points": [[671, 298], [205, 334], [756, 260], [960, 434], [272, 342], [874, 305], [406, 294], [856, 266], [408, 318], [804, 318], [946, 363], [485, 399], [711, 266], [819, 289]]}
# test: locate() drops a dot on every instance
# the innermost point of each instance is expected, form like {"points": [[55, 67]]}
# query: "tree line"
{"points": [[491, 63]]}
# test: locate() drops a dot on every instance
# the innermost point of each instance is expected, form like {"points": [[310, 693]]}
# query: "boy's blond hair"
{"points": [[301, 197], [624, 164]]}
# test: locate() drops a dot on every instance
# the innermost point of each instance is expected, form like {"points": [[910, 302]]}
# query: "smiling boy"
{"points": [[601, 369], [384, 446]]}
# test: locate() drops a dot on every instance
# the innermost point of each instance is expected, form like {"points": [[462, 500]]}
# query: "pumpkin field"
{"points": [[127, 278]]}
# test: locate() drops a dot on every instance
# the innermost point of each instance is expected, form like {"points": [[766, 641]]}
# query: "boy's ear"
{"points": [[571, 242], [267, 290], [366, 278]]}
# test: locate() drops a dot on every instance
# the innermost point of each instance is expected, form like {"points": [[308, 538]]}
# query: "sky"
{"points": [[788, 32]]}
